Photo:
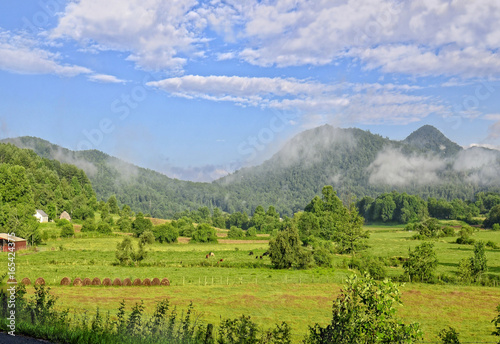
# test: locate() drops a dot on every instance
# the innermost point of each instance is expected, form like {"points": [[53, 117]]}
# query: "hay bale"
{"points": [[77, 282], [127, 282], [106, 282], [66, 281], [117, 282], [155, 281], [146, 282], [96, 281], [137, 281], [26, 281], [87, 281], [40, 281], [165, 282]]}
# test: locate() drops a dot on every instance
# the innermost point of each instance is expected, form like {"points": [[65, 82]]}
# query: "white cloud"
{"points": [[492, 117], [21, 55], [349, 102], [431, 37], [156, 33], [105, 78]]}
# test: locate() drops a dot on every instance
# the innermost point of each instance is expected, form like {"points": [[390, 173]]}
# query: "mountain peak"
{"points": [[430, 138]]}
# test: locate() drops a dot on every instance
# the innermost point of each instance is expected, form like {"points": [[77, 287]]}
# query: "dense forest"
{"points": [[356, 163], [29, 182]]}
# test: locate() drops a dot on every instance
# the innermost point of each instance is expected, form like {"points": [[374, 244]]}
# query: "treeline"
{"points": [[404, 208], [29, 182]]}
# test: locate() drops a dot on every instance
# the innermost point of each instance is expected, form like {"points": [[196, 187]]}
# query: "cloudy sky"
{"points": [[198, 88]]}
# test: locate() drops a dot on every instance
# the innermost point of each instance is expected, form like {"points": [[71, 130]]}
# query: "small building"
{"points": [[41, 216], [65, 215], [20, 243]]}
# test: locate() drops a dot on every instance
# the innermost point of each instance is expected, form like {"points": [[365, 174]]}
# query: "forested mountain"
{"points": [[356, 163], [29, 182], [430, 139]]}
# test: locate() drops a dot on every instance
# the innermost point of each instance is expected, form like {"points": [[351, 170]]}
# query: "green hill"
{"points": [[356, 163]]}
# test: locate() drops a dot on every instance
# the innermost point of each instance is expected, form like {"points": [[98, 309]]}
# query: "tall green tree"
{"points": [[422, 263], [286, 250]]}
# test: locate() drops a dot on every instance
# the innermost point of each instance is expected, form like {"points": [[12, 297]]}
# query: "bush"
{"points": [[147, 238], [421, 263], [104, 227], [62, 222], [496, 227], [235, 233], [166, 233], [204, 233], [364, 313], [448, 232], [89, 226], [374, 266], [251, 232], [67, 231], [449, 336]]}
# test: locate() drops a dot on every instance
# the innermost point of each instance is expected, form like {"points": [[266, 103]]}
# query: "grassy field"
{"points": [[242, 284]]}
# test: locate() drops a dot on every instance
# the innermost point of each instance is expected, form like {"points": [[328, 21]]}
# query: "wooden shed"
{"points": [[20, 243], [65, 215]]}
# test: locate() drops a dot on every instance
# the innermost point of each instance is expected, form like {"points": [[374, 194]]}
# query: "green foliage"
{"points": [[104, 227], [125, 252], [204, 233], [422, 263], [166, 233], [350, 236], [141, 224], [251, 232], [472, 269], [449, 336], [364, 313], [464, 236], [496, 227], [235, 233], [286, 250], [493, 217], [147, 237], [89, 226], [496, 322], [113, 205], [239, 330], [67, 231], [372, 266]]}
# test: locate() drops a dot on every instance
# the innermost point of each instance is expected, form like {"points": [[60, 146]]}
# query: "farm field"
{"points": [[241, 284]]}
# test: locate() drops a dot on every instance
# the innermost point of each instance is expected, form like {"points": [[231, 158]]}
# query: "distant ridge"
{"points": [[355, 162], [431, 139]]}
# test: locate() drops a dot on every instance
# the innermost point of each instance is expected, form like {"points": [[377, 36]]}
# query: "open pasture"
{"points": [[243, 284]]}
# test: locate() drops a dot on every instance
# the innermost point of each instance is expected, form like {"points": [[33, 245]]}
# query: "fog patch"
{"points": [[391, 167], [311, 146], [68, 157], [481, 165]]}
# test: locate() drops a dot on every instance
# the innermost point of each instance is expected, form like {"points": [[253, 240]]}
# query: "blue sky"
{"points": [[195, 89]]}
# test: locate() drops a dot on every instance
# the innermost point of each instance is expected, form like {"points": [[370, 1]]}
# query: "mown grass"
{"points": [[242, 284]]}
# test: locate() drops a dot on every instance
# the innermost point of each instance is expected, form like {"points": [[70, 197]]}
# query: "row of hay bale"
{"points": [[116, 282]]}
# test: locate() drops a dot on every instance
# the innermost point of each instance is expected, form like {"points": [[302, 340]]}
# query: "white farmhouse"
{"points": [[41, 216]]}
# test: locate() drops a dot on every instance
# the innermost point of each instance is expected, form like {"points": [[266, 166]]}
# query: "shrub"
{"points": [[147, 237], [374, 266], [104, 228], [364, 313], [166, 233], [448, 232], [67, 231], [496, 227], [62, 222], [235, 233], [449, 336], [251, 232], [421, 263], [204, 233], [89, 226]]}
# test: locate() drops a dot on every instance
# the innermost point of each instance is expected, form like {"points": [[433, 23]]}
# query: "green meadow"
{"points": [[243, 284]]}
